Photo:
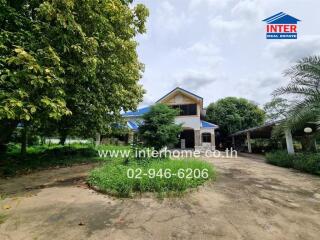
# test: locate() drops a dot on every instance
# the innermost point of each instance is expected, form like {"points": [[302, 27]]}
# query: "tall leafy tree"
{"points": [[30, 82], [101, 65], [158, 128], [69, 59], [233, 114]]}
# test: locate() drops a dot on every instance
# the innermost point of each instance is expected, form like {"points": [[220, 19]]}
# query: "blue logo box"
{"points": [[281, 36]]}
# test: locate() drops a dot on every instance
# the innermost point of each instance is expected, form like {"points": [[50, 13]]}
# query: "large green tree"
{"points": [[30, 69], [233, 114], [158, 128], [98, 52], [82, 56]]}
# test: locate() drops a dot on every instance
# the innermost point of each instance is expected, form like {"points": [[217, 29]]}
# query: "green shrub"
{"points": [[280, 158], [114, 179], [309, 163], [70, 152], [305, 162]]}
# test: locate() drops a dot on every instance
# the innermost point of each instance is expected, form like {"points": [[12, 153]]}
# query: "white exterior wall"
{"points": [[212, 144], [192, 122]]}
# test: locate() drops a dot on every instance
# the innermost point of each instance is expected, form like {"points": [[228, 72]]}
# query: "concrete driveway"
{"points": [[249, 200]]}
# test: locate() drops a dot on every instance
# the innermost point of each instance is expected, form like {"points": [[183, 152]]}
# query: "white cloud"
{"points": [[205, 53], [203, 48], [244, 16], [293, 50], [247, 10], [218, 47], [194, 80], [258, 86], [209, 3], [169, 18], [147, 100], [221, 24], [207, 58]]}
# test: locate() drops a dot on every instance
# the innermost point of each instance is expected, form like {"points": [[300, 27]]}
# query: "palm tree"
{"points": [[304, 87]]}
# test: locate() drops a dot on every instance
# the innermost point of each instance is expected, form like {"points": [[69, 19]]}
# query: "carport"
{"points": [[263, 131]]}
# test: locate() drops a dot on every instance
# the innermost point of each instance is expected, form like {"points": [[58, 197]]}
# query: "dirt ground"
{"points": [[249, 200]]}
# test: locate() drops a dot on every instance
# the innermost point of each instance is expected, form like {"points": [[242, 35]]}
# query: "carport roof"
{"points": [[263, 131]]}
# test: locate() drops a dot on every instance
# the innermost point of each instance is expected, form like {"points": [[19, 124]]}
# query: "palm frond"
{"points": [[293, 89], [305, 83], [306, 72]]}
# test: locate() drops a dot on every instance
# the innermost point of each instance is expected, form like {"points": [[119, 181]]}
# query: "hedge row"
{"points": [[305, 162]]}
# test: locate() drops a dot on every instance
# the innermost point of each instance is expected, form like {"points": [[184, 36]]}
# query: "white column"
{"points": [[289, 141], [213, 140], [197, 136], [98, 138], [249, 142]]}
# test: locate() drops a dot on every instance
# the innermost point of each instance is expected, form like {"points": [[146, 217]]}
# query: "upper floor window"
{"points": [[186, 109]]}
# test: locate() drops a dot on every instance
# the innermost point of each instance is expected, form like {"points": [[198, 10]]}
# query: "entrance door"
{"points": [[188, 136]]}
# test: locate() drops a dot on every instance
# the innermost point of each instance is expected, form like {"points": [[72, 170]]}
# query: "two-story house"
{"points": [[197, 133]]}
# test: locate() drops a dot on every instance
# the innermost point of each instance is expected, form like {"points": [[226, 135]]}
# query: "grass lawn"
{"points": [[119, 175], [2, 218], [47, 156], [164, 176]]}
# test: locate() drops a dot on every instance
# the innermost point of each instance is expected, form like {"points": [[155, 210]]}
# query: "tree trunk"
{"points": [[63, 134], [24, 137], [43, 140], [63, 139], [6, 129], [98, 139]]}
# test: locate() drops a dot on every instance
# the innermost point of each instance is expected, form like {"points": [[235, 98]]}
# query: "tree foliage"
{"points": [[276, 109], [159, 129], [30, 68], [304, 87], [100, 60], [233, 114], [71, 64]]}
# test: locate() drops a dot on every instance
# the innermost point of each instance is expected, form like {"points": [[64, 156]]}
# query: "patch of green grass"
{"points": [[125, 180], [305, 162], [46, 156], [2, 218]]}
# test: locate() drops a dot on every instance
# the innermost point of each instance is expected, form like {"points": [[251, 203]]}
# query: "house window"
{"points": [[206, 137], [186, 109]]}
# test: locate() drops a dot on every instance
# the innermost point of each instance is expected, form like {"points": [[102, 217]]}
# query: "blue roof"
{"points": [[133, 125], [205, 124], [137, 113], [281, 18]]}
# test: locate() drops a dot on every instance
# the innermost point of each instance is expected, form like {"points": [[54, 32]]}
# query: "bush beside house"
{"points": [[159, 128], [305, 162]]}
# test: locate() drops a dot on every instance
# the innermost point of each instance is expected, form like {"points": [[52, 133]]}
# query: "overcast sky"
{"points": [[217, 48]]}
